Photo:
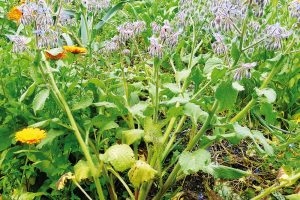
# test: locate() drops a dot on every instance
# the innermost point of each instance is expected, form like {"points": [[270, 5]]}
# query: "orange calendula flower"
{"points": [[74, 49], [14, 14], [55, 57], [30, 135]]}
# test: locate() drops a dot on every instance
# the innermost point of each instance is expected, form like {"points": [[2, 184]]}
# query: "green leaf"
{"points": [[226, 95], [235, 53], [110, 14], [28, 92], [238, 87], [224, 172], [51, 135], [212, 63], [30, 195], [242, 132], [266, 109], [194, 111], [133, 135], [39, 100], [182, 75], [260, 137], [193, 162], [44, 123], [105, 104], [109, 125], [3, 156], [181, 99], [276, 58], [5, 133], [172, 87], [83, 30], [218, 73], [82, 170], [120, 156], [138, 109], [84, 103], [233, 138], [269, 93], [152, 130], [293, 197], [67, 39], [141, 172]]}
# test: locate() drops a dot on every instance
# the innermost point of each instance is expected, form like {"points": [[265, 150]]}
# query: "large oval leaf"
{"points": [[120, 156], [39, 100]]}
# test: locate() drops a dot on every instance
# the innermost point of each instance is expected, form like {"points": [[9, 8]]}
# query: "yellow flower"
{"points": [[14, 14], [74, 49], [30, 135]]}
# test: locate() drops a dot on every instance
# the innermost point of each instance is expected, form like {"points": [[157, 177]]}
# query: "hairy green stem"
{"points": [[191, 144], [125, 85], [75, 128], [116, 174], [156, 100]]}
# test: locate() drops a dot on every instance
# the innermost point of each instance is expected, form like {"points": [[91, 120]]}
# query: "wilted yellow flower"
{"points": [[14, 14], [30, 135], [74, 49], [63, 179]]}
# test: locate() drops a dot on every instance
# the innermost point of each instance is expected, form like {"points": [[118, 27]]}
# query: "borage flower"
{"points": [[46, 38], [75, 49], [19, 43], [219, 46], [29, 10], [276, 34], [155, 27], [30, 135], [155, 48], [227, 15], [14, 14], [294, 9], [244, 70]]}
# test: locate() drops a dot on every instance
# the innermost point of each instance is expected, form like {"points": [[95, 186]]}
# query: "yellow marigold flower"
{"points": [[74, 49], [30, 135], [55, 57], [14, 14]]}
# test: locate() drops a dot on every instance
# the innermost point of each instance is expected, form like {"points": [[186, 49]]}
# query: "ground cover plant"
{"points": [[152, 99]]}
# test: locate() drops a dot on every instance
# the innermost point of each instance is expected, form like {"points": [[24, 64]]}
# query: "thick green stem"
{"points": [[116, 174], [75, 128], [173, 138], [205, 126], [125, 85], [156, 100], [172, 177]]}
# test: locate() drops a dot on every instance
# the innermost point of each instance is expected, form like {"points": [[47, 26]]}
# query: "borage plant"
{"points": [[126, 106]]}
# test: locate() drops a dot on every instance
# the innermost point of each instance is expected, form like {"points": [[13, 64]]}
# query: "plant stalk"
{"points": [[75, 128], [191, 144]]}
